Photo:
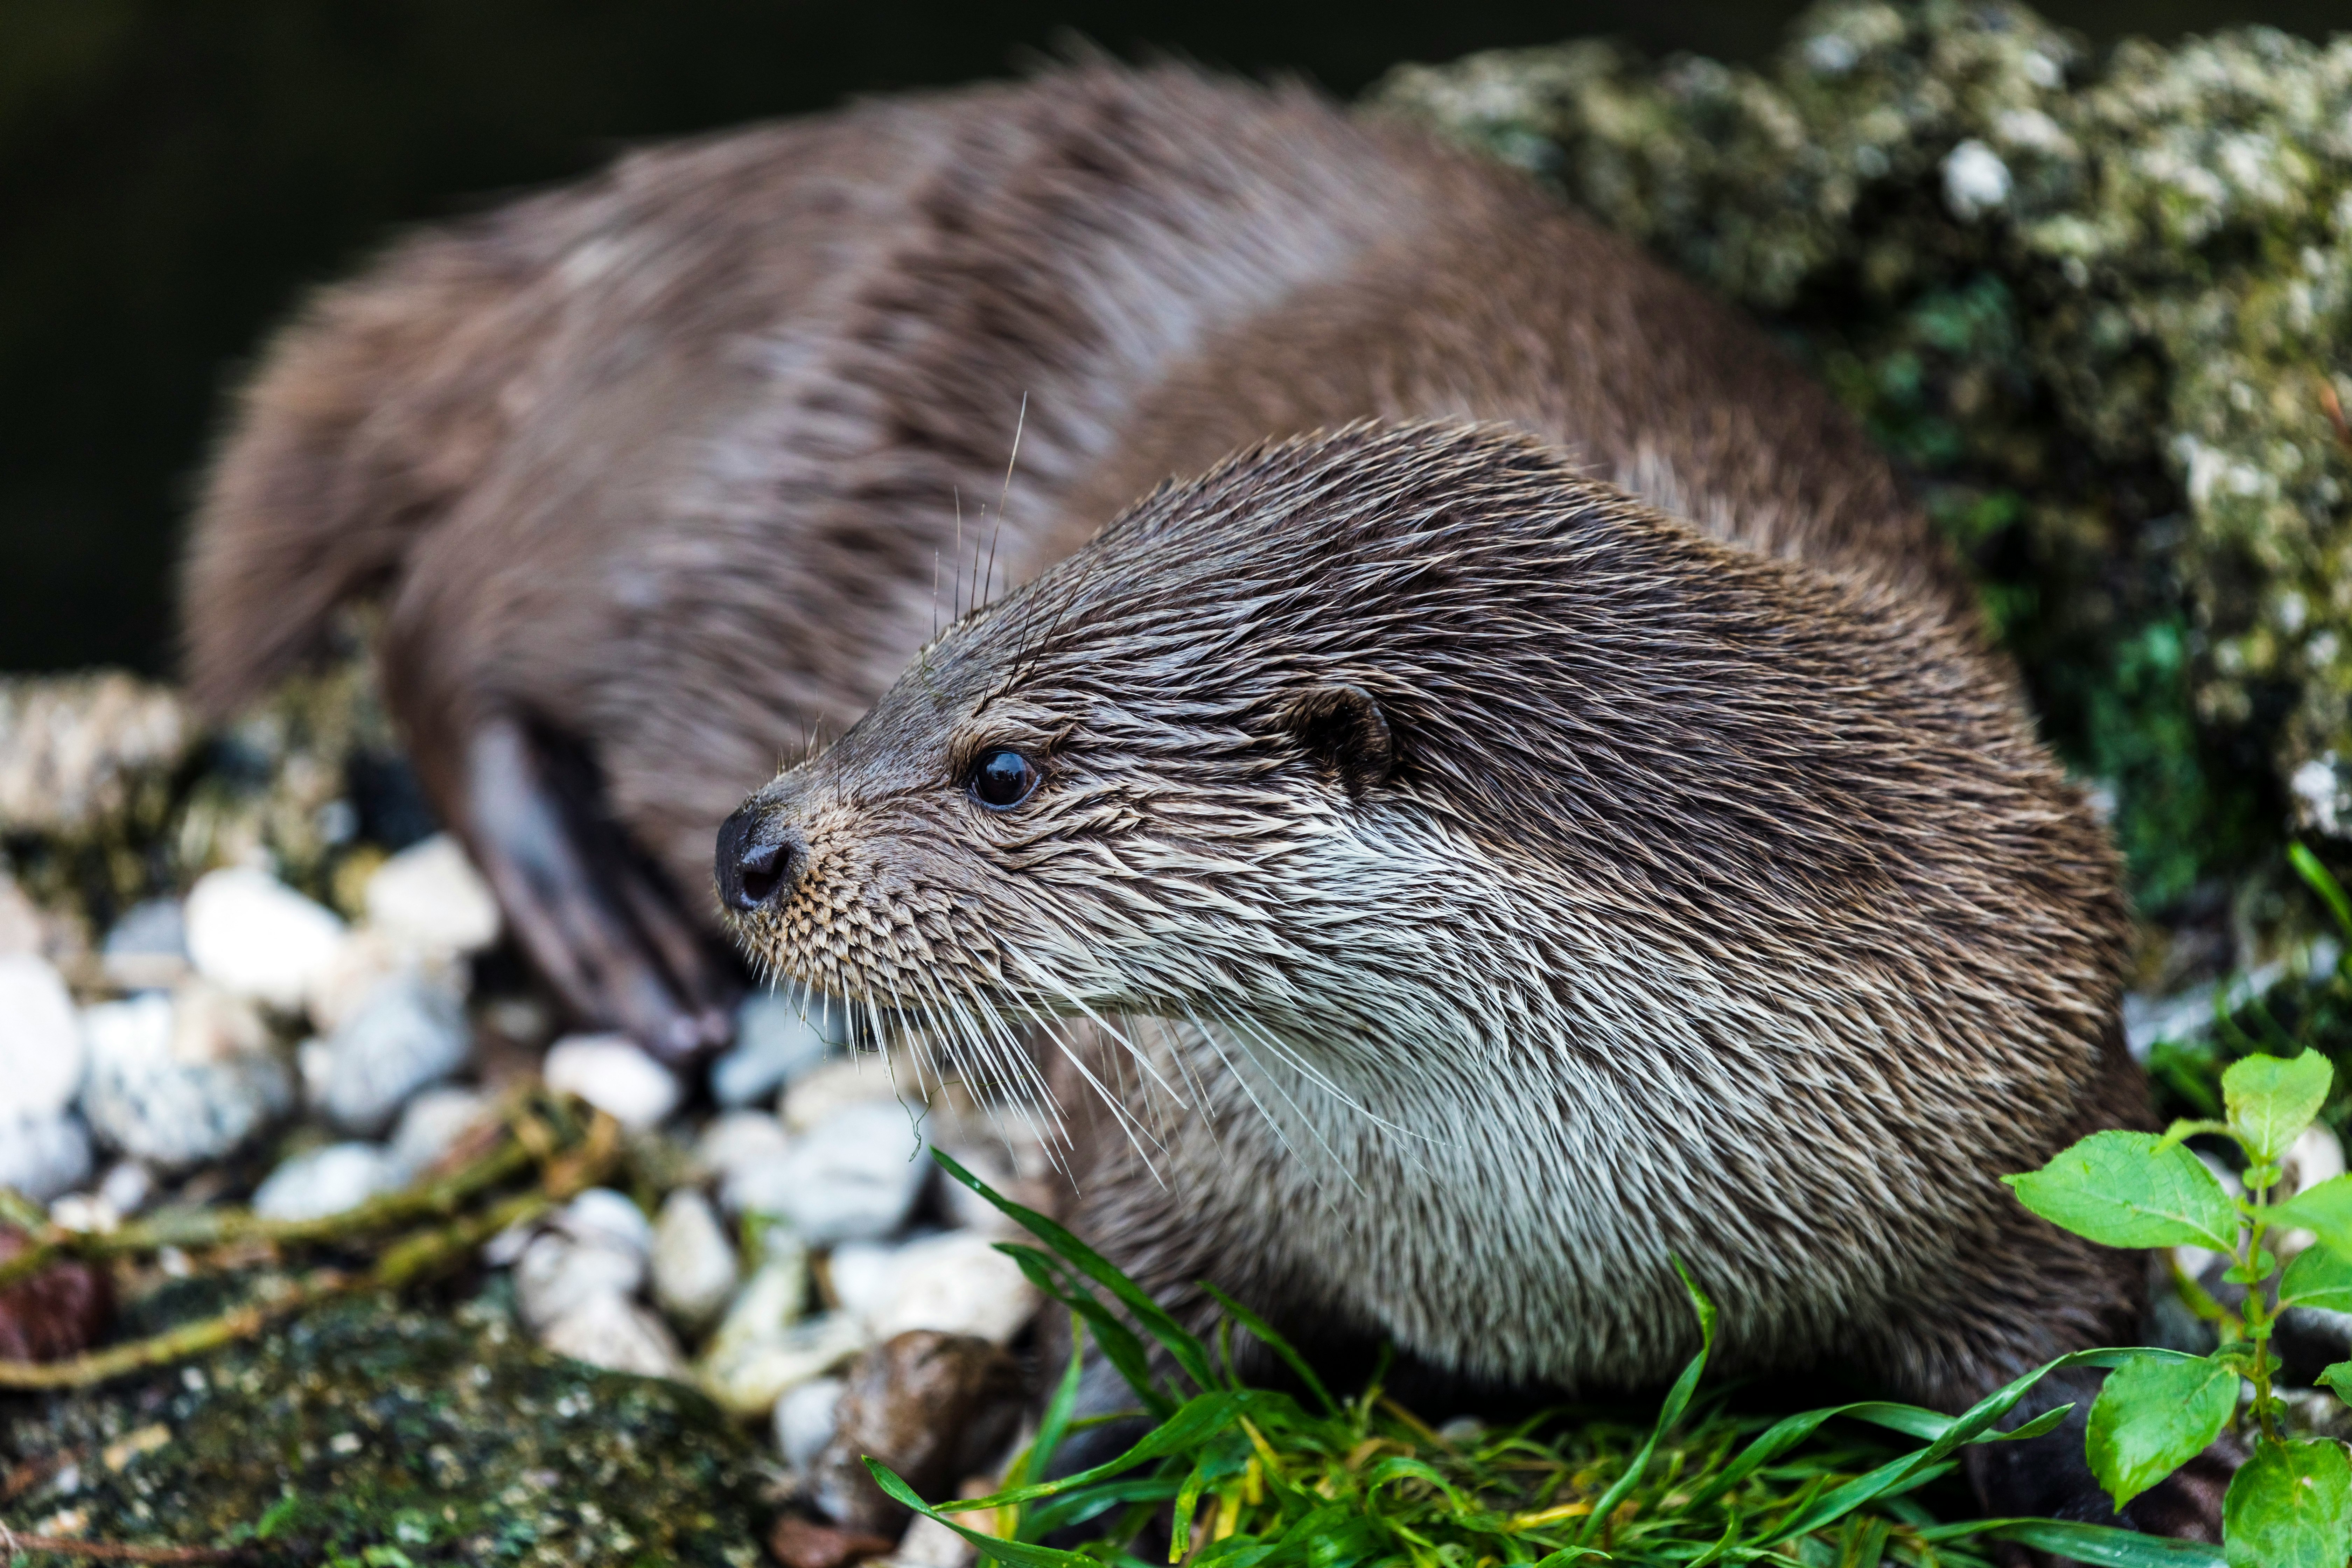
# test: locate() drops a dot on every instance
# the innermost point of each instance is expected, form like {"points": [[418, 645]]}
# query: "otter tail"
{"points": [[371, 414]]}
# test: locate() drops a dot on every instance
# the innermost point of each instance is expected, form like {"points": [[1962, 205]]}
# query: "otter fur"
{"points": [[1552, 789]]}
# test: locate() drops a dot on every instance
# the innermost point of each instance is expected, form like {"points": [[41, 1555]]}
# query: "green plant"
{"points": [[2291, 1504], [1248, 1476]]}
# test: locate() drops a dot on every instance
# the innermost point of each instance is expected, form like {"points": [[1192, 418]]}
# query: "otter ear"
{"points": [[1344, 731]]}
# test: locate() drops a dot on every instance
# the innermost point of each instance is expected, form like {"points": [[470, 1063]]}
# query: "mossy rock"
{"points": [[2101, 307], [364, 1434]]}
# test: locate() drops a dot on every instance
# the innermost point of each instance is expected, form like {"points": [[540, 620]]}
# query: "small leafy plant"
{"points": [[2290, 1506], [1242, 1477]]}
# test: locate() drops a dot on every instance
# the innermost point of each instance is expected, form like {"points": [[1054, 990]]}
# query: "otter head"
{"points": [[1390, 740]]}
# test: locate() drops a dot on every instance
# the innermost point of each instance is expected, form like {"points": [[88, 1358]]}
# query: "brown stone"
{"points": [[933, 1408], [58, 1312], [800, 1542]]}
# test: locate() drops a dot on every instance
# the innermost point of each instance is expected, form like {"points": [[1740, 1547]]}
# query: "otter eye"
{"points": [[1002, 780]]}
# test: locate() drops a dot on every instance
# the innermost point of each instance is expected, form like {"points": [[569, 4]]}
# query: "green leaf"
{"points": [[2129, 1189], [2153, 1416], [2317, 1277], [2325, 1209], [2337, 1376], [2290, 1506], [2272, 1099]]}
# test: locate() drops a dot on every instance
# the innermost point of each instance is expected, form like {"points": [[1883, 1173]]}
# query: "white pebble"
{"points": [[44, 1155], [611, 1073], [84, 1212], [956, 1284], [430, 897], [615, 1333], [694, 1267], [830, 1089], [327, 1180], [432, 1123], [775, 1043], [602, 1217], [254, 936], [556, 1274], [737, 1139], [180, 1079], [407, 1035], [127, 1187], [806, 1419], [41, 1053], [747, 1377], [936, 1547], [854, 1178]]}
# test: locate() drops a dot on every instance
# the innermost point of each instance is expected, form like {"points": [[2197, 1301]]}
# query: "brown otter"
{"points": [[1539, 882]]}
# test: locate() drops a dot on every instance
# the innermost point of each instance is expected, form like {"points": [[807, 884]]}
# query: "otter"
{"points": [[1552, 792]]}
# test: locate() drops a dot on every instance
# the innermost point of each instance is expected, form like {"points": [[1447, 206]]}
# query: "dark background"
{"points": [[174, 172]]}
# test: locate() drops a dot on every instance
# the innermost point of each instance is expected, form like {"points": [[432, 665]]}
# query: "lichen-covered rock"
{"points": [[446, 1440], [2101, 307]]}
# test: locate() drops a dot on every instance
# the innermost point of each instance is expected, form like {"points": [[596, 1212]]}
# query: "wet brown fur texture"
{"points": [[1719, 901]]}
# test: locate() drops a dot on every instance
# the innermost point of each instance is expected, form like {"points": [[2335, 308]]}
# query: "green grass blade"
{"points": [[1117, 1341], [1273, 1341], [2318, 879], [1054, 1424], [1187, 1351], [1019, 1554], [2102, 1544], [1188, 1428], [1677, 1399]]}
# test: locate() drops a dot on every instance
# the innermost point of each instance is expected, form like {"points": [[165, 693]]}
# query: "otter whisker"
{"points": [[1314, 1130]]}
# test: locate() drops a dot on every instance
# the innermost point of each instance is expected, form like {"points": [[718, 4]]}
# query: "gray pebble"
{"points": [[44, 1155], [41, 1055], [431, 1124], [615, 1333], [775, 1042], [407, 1033], [556, 1274], [181, 1080], [805, 1420]]}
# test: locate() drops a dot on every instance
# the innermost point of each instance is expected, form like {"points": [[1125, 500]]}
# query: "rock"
{"points": [[23, 928], [43, 1155], [602, 1217], [805, 1418], [327, 1180], [429, 897], [853, 1178], [176, 1080], [442, 1438], [611, 1073], [737, 1139], [362, 966], [837, 1085], [42, 1055], [933, 1408], [927, 1543], [955, 1284], [59, 1311], [147, 950], [747, 1376], [126, 1187], [556, 1273], [408, 1034], [75, 749], [255, 937], [798, 1542], [617, 1334], [431, 1124], [775, 1043], [694, 1266], [2315, 1156]]}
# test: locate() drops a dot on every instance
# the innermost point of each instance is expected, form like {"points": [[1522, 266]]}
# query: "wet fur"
{"points": [[1717, 900]]}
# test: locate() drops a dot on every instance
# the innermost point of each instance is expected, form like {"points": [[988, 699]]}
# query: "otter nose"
{"points": [[757, 864]]}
